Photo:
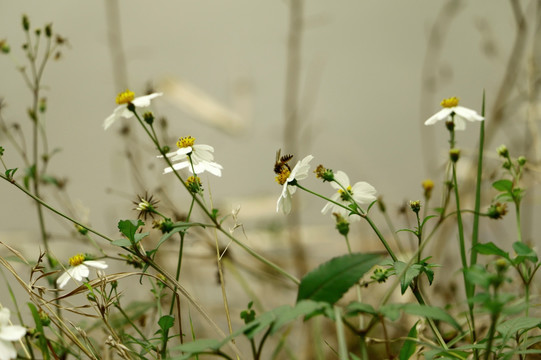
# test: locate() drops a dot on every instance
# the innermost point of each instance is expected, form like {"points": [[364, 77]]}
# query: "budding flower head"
{"points": [[4, 47], [323, 173], [342, 225], [415, 206], [148, 117], [194, 184], [164, 225], [502, 151], [501, 265], [454, 154], [497, 210], [26, 23], [81, 230], [521, 160], [48, 30], [428, 185]]}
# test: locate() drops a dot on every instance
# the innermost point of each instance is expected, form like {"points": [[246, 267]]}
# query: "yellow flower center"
{"points": [[125, 97], [450, 102], [193, 181], [281, 178], [427, 184], [185, 142], [77, 260], [345, 196]]}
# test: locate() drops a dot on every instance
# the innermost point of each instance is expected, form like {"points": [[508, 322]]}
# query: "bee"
{"points": [[281, 162]]}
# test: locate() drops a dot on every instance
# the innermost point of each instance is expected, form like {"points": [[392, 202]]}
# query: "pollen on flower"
{"points": [[185, 142], [77, 259], [282, 177], [345, 196], [125, 97], [194, 184], [450, 102]]}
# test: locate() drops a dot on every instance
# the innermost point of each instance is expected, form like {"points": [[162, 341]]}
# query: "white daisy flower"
{"points": [[362, 192], [9, 333], [287, 177], [201, 157], [79, 269], [451, 111], [123, 99]]}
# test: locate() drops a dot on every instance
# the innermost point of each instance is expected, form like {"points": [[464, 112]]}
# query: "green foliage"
{"points": [[332, 279], [409, 346], [129, 229]]}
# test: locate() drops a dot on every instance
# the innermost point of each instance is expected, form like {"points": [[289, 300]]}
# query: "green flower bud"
{"points": [[49, 30], [454, 154], [521, 160], [502, 151], [148, 117], [26, 23], [415, 206]]}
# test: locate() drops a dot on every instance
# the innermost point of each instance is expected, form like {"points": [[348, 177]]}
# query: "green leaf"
{"points": [[40, 334], [503, 185], [122, 242], [430, 312], [354, 308], [478, 275], [304, 308], [199, 346], [409, 346], [166, 322], [510, 327], [332, 279], [411, 273], [490, 248], [129, 228], [525, 251]]}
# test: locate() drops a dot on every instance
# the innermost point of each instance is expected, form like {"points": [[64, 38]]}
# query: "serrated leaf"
{"points": [[503, 185], [409, 346], [129, 228], [332, 279], [411, 273]]}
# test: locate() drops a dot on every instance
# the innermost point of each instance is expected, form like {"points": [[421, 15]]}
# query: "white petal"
{"points": [[4, 317], [7, 350], [364, 193], [79, 272], [98, 264], [342, 178], [212, 167], [63, 280], [144, 101], [284, 201], [468, 114], [440, 115], [177, 166], [12, 332], [460, 124]]}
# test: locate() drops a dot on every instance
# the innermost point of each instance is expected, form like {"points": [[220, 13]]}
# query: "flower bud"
{"points": [[415, 206], [48, 30], [454, 154], [324, 173], [521, 160], [502, 151], [26, 23], [497, 210], [148, 117], [428, 185], [342, 225]]}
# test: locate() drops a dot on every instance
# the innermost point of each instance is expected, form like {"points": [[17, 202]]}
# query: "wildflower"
{"points": [[124, 99], [361, 193], [497, 210], [288, 179], [146, 205], [503, 151], [194, 184], [428, 185], [454, 154], [8, 333], [324, 173], [79, 269], [197, 155], [415, 206], [455, 114]]}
